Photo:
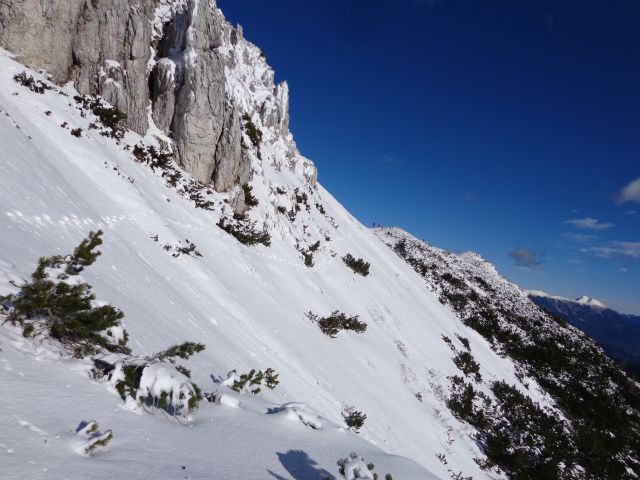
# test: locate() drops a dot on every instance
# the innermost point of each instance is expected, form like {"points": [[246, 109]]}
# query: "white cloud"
{"points": [[588, 223], [630, 193], [616, 251]]}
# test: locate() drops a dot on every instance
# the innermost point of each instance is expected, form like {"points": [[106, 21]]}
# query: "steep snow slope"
{"points": [[592, 401], [246, 304]]}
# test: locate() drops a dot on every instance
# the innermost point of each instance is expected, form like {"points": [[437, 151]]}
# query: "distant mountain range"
{"points": [[618, 333]]}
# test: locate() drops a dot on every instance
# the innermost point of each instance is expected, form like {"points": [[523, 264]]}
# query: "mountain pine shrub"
{"points": [[110, 117], [314, 247], [353, 419], [255, 380], [337, 322], [253, 132], [245, 232], [174, 397], [599, 403], [308, 258], [28, 81], [98, 441], [358, 265], [468, 365], [249, 198], [65, 311]]}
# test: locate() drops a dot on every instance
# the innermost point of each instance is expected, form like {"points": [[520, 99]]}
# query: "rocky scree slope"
{"points": [[594, 431]]}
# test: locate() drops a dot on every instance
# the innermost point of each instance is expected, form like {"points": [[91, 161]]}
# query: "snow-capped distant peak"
{"points": [[592, 302], [583, 300], [540, 293]]}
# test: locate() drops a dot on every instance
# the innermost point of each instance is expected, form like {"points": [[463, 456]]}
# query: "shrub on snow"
{"points": [[354, 467], [468, 365], [353, 418], [155, 381], [92, 438], [252, 381], [336, 322], [358, 265], [57, 303]]}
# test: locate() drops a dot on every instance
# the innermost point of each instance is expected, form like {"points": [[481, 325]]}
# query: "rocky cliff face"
{"points": [[177, 65]]}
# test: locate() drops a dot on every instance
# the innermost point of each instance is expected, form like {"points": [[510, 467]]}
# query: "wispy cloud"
{"points": [[630, 212], [524, 257], [629, 251], [581, 237], [631, 192], [588, 223]]}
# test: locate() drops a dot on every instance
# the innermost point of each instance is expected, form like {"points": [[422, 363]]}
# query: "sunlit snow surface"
{"points": [[246, 304]]}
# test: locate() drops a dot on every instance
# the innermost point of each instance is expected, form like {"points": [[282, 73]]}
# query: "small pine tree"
{"points": [[353, 418], [358, 265], [65, 311], [249, 198], [184, 350], [468, 365], [85, 254], [338, 321], [255, 380]]}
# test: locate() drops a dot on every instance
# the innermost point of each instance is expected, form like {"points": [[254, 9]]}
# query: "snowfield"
{"points": [[246, 304]]}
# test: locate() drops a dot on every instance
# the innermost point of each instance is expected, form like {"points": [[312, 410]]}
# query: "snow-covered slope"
{"points": [[584, 398], [246, 304]]}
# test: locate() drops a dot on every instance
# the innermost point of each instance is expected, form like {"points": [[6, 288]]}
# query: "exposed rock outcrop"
{"points": [[177, 63]]}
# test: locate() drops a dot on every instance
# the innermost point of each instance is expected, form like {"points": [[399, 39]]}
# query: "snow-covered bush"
{"points": [[308, 258], [358, 265], [468, 365], [112, 118], [354, 467], [465, 342], [253, 132], [250, 199], [56, 303], [155, 381], [314, 247], [28, 81], [92, 438], [245, 232], [465, 402], [252, 381], [353, 418], [336, 322]]}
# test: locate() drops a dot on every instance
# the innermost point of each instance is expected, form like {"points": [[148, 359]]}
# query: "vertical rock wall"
{"points": [[178, 60]]}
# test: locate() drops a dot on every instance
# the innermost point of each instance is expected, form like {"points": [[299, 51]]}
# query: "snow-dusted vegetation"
{"points": [[300, 334]]}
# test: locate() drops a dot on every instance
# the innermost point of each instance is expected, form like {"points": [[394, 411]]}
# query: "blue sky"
{"points": [[507, 128]]}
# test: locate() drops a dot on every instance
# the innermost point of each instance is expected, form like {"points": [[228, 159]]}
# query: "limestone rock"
{"points": [[178, 60]]}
